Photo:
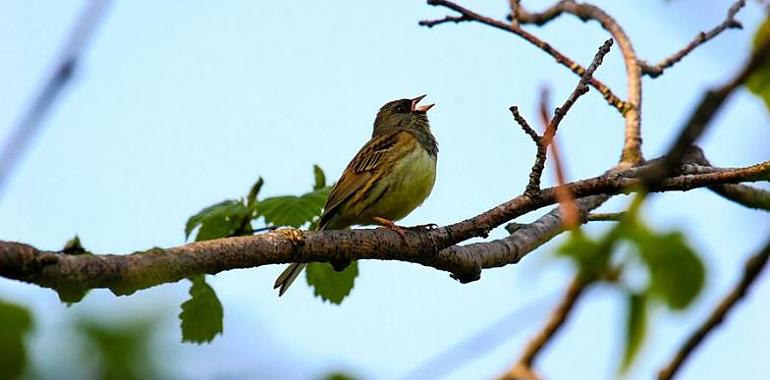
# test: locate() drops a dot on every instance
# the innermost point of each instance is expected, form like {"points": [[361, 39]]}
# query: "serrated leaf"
{"points": [[220, 220], [636, 327], [16, 323], [320, 178], [329, 284], [251, 199], [202, 314], [293, 211], [677, 274]]}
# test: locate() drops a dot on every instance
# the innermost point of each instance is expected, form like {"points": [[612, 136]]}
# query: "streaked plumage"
{"points": [[389, 177]]}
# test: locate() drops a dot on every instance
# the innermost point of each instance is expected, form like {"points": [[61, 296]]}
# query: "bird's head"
{"points": [[402, 114]]}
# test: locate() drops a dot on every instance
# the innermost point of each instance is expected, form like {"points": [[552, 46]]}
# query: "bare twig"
{"points": [[59, 77], [752, 269], [542, 142], [730, 22], [524, 366], [632, 148], [479, 343], [605, 216], [435, 248], [608, 95], [710, 104]]}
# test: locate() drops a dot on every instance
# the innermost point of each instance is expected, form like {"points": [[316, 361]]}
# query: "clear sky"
{"points": [[179, 105]]}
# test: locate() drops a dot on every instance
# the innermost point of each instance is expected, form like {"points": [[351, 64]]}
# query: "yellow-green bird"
{"points": [[387, 179]]}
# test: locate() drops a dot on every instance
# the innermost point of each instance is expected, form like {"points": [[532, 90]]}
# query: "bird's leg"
{"points": [[390, 225]]}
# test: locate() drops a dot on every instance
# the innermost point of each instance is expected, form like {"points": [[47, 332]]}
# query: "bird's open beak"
{"points": [[416, 108]]}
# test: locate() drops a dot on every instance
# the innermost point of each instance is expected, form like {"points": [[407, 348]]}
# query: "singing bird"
{"points": [[388, 178]]}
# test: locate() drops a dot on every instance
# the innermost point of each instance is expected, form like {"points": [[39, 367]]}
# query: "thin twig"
{"points": [[730, 22], [524, 366], [542, 142], [632, 147], [751, 271], [605, 216], [479, 343], [700, 119], [608, 95], [60, 76]]}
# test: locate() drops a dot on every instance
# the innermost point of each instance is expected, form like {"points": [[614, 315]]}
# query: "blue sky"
{"points": [[179, 106]]}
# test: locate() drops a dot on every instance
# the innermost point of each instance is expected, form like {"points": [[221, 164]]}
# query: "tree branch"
{"points": [[523, 368], [752, 269], [700, 119], [730, 22], [468, 15], [124, 274], [61, 74], [632, 153]]}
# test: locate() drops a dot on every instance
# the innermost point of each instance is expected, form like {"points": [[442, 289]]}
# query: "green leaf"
{"points": [[320, 178], [677, 274], [251, 199], [329, 284], [590, 256], [202, 314], [293, 211], [220, 220], [15, 325], [759, 81], [119, 351], [636, 328]]}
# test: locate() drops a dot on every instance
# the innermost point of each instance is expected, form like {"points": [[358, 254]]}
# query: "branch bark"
{"points": [[124, 274]]}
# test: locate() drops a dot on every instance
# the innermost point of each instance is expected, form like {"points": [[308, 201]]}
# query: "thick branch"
{"points": [[752, 269], [730, 22], [127, 273]]}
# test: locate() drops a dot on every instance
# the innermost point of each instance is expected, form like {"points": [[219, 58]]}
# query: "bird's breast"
{"points": [[409, 183]]}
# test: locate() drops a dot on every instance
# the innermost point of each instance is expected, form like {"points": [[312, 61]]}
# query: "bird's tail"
{"points": [[288, 276]]}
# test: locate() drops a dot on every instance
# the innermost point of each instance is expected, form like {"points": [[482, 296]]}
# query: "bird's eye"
{"points": [[401, 109]]}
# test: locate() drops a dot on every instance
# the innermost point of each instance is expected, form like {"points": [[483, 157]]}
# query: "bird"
{"points": [[389, 177]]}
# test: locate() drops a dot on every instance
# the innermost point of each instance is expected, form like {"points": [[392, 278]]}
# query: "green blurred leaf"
{"points": [[338, 376], [590, 256], [293, 211], [202, 314], [677, 274], [329, 284], [15, 325], [119, 351], [636, 328], [220, 220], [251, 199], [759, 81], [320, 178]]}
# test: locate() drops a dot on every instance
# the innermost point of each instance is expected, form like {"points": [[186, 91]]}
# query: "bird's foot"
{"points": [[385, 223]]}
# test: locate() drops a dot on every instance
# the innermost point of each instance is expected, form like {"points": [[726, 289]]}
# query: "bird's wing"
{"points": [[378, 154]]}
